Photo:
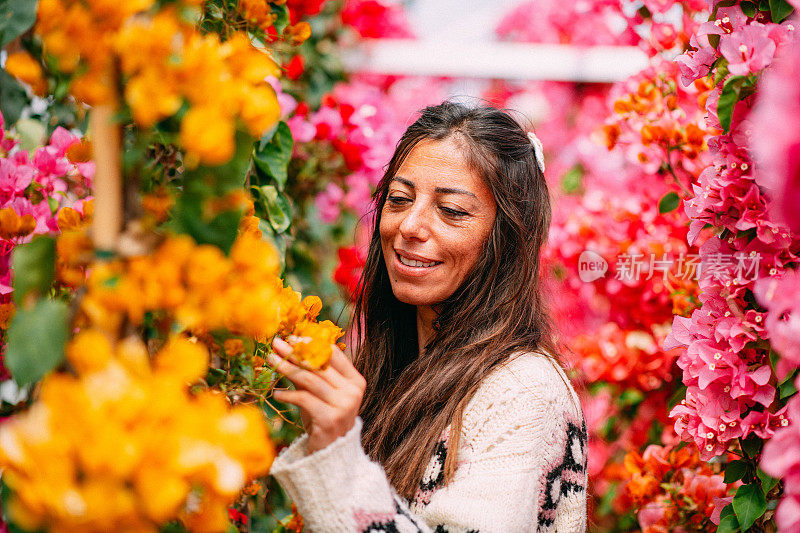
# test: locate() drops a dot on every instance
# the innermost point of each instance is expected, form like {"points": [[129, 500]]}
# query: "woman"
{"points": [[455, 414]]}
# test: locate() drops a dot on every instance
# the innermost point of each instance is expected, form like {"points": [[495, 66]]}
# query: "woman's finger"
{"points": [[304, 379], [344, 366], [305, 400]]}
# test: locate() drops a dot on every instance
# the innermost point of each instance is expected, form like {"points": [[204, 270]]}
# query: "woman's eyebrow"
{"points": [[440, 190]]}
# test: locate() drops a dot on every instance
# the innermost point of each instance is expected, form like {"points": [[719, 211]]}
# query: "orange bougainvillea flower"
{"points": [[158, 204], [13, 226], [298, 33], [233, 347], [6, 313]]}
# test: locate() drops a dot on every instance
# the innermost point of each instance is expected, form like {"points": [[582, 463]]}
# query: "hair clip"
{"points": [[538, 150]]}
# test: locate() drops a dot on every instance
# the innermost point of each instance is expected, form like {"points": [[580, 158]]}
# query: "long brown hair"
{"points": [[411, 397]]}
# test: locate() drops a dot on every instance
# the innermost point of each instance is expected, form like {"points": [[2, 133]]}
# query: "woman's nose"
{"points": [[415, 224]]}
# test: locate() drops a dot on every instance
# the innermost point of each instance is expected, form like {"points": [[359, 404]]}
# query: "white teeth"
{"points": [[414, 263]]}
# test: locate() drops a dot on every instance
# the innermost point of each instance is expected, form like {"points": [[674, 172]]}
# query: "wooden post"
{"points": [[108, 216]]}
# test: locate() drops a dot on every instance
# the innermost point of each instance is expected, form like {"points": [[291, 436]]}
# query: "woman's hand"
{"points": [[329, 399]]}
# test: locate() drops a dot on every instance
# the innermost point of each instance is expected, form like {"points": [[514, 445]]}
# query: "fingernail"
{"points": [[281, 343]]}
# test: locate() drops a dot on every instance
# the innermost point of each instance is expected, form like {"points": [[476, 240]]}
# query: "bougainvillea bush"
{"points": [[243, 166], [142, 318]]}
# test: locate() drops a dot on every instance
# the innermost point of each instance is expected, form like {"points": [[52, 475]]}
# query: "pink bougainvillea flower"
{"points": [[781, 296], [14, 179], [696, 63], [747, 50], [327, 203], [302, 130], [719, 505], [781, 459], [776, 136], [61, 140]]}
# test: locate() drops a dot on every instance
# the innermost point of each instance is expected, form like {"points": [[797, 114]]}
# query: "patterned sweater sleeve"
{"points": [[521, 467]]}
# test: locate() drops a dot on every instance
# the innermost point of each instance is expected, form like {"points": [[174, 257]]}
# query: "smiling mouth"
{"points": [[415, 263]]}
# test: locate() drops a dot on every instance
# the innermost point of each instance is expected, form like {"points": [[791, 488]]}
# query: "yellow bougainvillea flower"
{"points": [[127, 447], [12, 225], [185, 359], [259, 109], [22, 66], [162, 61], [204, 291], [315, 352], [207, 134], [313, 305], [74, 251], [89, 351]]}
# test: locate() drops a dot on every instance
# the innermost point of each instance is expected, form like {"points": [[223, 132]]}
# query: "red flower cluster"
{"points": [[301, 9], [629, 358], [673, 489], [348, 271], [376, 19]]}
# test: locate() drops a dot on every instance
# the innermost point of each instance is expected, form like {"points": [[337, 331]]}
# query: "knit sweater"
{"points": [[521, 466]]}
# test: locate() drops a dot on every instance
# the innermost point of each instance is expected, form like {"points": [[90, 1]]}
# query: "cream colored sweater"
{"points": [[521, 466]]}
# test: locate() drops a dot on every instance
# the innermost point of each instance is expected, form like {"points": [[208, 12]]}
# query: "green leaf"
{"points": [[720, 70], [630, 397], [735, 470], [173, 527], [749, 8], [16, 17], [751, 445], [677, 396], [214, 376], [727, 520], [773, 358], [249, 374], [749, 504], [32, 134], [283, 17], [727, 101], [36, 340], [712, 38], [13, 98], [278, 208], [272, 154], [767, 482], [780, 9], [220, 231], [669, 202], [787, 388], [34, 266], [571, 181]]}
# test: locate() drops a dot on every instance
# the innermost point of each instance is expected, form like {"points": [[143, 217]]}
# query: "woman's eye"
{"points": [[397, 200], [454, 212]]}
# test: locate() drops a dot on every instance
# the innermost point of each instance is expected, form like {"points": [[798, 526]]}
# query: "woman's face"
{"points": [[437, 217]]}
